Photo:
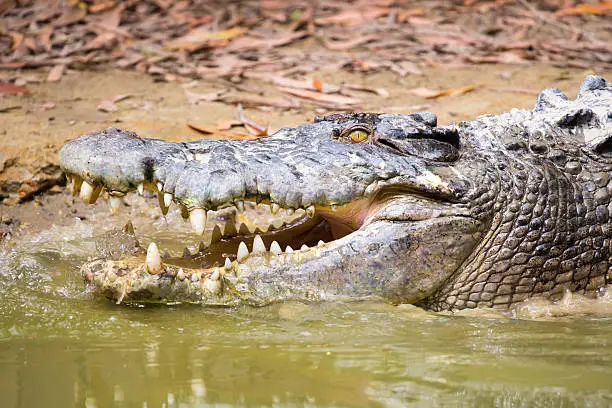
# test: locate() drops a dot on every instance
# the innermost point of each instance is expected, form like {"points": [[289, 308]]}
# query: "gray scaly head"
{"points": [[486, 213]]}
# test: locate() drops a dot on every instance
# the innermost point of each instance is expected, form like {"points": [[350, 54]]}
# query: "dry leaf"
{"points": [[277, 40], [17, 39], [121, 97], [432, 94], [285, 82], [378, 91], [354, 16], [101, 6], [195, 98], [56, 73], [328, 99], [405, 67], [257, 101], [513, 89], [228, 124], [47, 106], [5, 109], [348, 44], [44, 37], [586, 8], [209, 131], [202, 37], [250, 125], [12, 89], [404, 15], [71, 15], [107, 106]]}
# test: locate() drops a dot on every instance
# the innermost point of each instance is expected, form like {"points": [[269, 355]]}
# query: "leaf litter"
{"points": [[286, 43]]}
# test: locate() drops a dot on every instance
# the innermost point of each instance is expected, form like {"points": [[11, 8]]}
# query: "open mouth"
{"points": [[253, 227], [266, 231]]}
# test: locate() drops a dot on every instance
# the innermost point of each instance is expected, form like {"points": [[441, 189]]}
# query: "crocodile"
{"points": [[483, 213]]}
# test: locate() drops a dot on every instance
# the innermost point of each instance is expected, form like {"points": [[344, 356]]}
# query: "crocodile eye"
{"points": [[358, 135]]}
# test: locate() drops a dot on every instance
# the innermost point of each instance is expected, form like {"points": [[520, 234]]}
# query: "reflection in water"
{"points": [[61, 347]]}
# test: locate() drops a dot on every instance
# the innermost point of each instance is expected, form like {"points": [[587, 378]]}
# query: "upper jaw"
{"points": [[286, 169]]}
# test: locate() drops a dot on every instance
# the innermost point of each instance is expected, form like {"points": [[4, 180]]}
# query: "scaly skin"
{"points": [[484, 214]]}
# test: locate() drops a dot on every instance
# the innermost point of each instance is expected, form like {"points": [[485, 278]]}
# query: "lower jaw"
{"points": [[215, 274], [184, 280]]}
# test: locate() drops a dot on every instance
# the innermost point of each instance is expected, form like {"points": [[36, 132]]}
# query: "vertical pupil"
{"points": [[358, 136]]}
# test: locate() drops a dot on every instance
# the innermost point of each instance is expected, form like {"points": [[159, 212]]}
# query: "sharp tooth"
{"points": [[160, 186], [89, 192], [140, 188], [180, 275], [197, 217], [321, 242], [310, 211], [168, 199], [86, 191], [68, 178], [288, 250], [243, 229], [153, 260], [186, 253], [195, 278], [201, 247], [230, 229], [228, 264], [275, 248], [274, 208], [129, 228], [258, 245], [304, 248], [239, 205], [76, 185], [243, 252], [162, 206], [290, 211], [213, 283], [216, 234], [115, 203]]}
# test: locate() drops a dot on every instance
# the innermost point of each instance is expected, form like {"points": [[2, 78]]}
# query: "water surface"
{"points": [[60, 346]]}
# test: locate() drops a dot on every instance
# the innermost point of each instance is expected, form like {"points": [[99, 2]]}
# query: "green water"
{"points": [[62, 347]]}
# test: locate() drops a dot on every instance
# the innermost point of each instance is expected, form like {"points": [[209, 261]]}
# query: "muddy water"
{"points": [[60, 346]]}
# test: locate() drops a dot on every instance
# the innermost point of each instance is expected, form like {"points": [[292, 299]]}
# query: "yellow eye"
{"points": [[358, 135]]}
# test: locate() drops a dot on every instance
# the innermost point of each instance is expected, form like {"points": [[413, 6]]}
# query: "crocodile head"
{"points": [[386, 206]]}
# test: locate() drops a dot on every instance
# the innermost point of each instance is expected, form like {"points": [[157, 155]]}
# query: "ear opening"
{"points": [[599, 140], [605, 148]]}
